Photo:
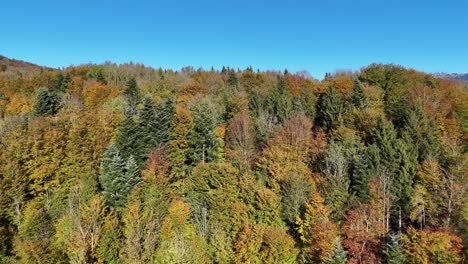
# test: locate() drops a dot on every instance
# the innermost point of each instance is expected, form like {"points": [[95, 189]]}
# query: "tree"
{"points": [[427, 246], [130, 140], [202, 139], [358, 99], [163, 119], [179, 147], [132, 93], [337, 256], [118, 177], [329, 109], [316, 232], [393, 251], [279, 103], [46, 103]]}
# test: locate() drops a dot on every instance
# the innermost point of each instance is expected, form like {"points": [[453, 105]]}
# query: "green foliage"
{"points": [[393, 250], [132, 93], [163, 119], [229, 168], [358, 99], [337, 256], [279, 103], [329, 109], [203, 141], [118, 177], [46, 103]]}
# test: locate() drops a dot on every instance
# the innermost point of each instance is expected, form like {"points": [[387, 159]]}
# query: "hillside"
{"points": [[129, 164]]}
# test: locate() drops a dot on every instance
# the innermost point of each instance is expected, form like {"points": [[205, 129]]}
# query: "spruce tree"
{"points": [[337, 256], [132, 93], [163, 118], [202, 140], [148, 125], [421, 131], [393, 251], [112, 169], [358, 99], [46, 103], [130, 139], [329, 109], [61, 83], [279, 103], [117, 177]]}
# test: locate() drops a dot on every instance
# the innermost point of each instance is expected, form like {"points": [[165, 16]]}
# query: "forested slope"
{"points": [[129, 164]]}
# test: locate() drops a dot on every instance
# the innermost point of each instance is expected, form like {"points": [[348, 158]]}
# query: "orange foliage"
{"points": [[96, 94]]}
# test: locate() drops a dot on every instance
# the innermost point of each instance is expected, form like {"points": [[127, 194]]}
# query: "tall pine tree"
{"points": [[329, 109]]}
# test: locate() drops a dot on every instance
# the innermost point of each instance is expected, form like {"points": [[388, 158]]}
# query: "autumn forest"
{"points": [[124, 163]]}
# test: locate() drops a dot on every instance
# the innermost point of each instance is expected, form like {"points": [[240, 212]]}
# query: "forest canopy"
{"points": [[130, 164]]}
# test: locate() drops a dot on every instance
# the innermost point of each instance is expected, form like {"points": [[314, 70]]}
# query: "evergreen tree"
{"points": [[329, 109], [117, 177], [202, 140], [148, 125], [61, 83], [232, 78], [46, 103], [132, 93], [399, 161], [112, 169], [361, 175], [358, 99], [130, 139], [337, 256], [421, 131], [279, 103], [164, 115], [393, 251]]}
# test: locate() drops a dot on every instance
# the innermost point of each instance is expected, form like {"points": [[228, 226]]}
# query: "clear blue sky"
{"points": [[318, 36]]}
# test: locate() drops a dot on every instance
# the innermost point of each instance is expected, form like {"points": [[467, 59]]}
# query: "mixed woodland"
{"points": [[123, 163]]}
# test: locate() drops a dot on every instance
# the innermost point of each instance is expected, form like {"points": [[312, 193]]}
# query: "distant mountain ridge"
{"points": [[453, 76]]}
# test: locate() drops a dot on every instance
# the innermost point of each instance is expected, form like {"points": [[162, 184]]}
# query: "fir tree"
{"points": [[132, 93], [202, 140], [130, 139], [358, 99], [393, 251], [163, 118], [148, 125], [117, 177], [279, 103], [329, 109], [232, 78], [337, 256], [421, 131], [46, 103], [61, 83]]}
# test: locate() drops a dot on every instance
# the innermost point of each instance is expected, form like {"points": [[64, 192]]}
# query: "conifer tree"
{"points": [[337, 256], [279, 103], [130, 139], [329, 108], [393, 251], [117, 177], [421, 131], [46, 103], [202, 140], [163, 118], [132, 93], [358, 99], [148, 125]]}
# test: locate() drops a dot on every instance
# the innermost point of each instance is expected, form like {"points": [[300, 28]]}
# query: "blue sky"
{"points": [[318, 36]]}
